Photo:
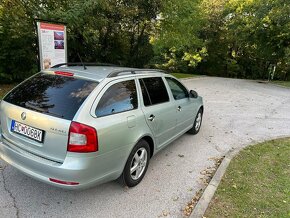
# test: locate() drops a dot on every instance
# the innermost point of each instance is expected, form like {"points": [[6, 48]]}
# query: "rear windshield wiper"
{"points": [[41, 110], [38, 109]]}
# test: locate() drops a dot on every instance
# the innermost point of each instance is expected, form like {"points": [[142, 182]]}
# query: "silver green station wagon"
{"points": [[78, 126]]}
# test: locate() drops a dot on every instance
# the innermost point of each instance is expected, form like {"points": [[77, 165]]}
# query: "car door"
{"points": [[159, 111], [184, 105], [117, 115]]}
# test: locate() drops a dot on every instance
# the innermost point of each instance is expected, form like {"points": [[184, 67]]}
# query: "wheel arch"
{"points": [[150, 141]]}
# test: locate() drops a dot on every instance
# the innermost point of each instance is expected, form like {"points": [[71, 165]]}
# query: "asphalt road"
{"points": [[237, 113]]}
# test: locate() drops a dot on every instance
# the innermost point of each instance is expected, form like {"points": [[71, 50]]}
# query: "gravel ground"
{"points": [[237, 113]]}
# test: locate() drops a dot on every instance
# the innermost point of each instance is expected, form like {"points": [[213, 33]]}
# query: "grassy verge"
{"points": [[183, 75], [256, 184], [4, 88], [282, 83]]}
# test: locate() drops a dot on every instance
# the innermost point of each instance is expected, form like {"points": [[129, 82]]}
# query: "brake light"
{"points": [[63, 73], [82, 138]]}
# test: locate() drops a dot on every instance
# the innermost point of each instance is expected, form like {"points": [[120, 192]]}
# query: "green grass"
{"points": [[283, 83], [4, 88], [256, 184], [183, 75]]}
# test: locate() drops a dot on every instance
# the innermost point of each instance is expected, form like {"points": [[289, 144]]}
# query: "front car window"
{"points": [[177, 89], [153, 91], [118, 98]]}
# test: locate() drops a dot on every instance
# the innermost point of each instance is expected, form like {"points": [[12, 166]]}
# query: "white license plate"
{"points": [[28, 131]]}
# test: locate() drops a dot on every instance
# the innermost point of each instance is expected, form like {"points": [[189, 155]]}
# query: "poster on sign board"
{"points": [[52, 44]]}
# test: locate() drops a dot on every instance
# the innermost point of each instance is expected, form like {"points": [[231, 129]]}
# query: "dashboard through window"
{"points": [[118, 98]]}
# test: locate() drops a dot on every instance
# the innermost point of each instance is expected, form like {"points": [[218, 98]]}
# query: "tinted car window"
{"points": [[156, 90], [177, 89], [146, 98], [55, 95], [118, 98]]}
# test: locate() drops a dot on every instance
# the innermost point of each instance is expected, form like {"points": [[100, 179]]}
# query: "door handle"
{"points": [[151, 118], [179, 108]]}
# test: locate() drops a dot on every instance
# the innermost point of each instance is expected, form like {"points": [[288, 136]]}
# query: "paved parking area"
{"points": [[237, 113]]}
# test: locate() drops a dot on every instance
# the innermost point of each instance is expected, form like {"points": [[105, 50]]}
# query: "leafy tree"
{"points": [[177, 36], [248, 38], [17, 41], [112, 31], [237, 38]]}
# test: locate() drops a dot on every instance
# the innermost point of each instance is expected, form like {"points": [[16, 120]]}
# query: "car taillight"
{"points": [[63, 73], [82, 138]]}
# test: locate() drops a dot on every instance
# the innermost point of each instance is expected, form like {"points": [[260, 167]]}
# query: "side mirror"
{"points": [[193, 94]]}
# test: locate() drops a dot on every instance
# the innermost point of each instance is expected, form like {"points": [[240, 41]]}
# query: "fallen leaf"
{"points": [[165, 213], [126, 188], [175, 198]]}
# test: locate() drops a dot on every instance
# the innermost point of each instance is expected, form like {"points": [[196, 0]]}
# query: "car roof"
{"points": [[101, 72]]}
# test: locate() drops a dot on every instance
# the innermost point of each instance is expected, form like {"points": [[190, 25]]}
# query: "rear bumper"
{"points": [[86, 170]]}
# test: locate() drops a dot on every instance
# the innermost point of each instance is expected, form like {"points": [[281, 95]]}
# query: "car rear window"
{"points": [[58, 96]]}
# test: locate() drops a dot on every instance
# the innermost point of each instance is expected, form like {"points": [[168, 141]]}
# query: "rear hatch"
{"points": [[37, 114]]}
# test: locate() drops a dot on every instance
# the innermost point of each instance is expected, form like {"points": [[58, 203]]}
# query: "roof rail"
{"points": [[82, 64], [133, 71]]}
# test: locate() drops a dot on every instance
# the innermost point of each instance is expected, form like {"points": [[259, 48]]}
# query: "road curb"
{"points": [[209, 191]]}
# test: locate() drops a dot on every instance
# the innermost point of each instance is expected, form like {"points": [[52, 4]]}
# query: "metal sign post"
{"points": [[272, 69]]}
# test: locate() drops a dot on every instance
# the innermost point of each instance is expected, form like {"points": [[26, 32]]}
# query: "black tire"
{"points": [[127, 178], [195, 130]]}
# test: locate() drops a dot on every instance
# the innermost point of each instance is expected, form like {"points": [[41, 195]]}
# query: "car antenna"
{"points": [[82, 62]]}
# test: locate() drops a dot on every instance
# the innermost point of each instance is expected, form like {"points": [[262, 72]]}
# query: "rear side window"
{"points": [[118, 98], [55, 95], [154, 88]]}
